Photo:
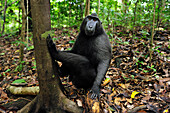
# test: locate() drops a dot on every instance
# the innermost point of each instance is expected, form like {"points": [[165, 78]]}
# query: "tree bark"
{"points": [[28, 12], [98, 7], [21, 51], [81, 7], [134, 21], [153, 24], [51, 98], [4, 17], [87, 8]]}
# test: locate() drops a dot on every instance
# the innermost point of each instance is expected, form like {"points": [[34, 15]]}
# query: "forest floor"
{"points": [[135, 82]]}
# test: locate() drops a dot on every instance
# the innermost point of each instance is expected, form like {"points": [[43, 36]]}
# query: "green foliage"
{"points": [[34, 67], [151, 67], [132, 76], [30, 47], [19, 81], [127, 79], [65, 13], [20, 66], [8, 70], [145, 71], [11, 24], [72, 41], [2, 53]]}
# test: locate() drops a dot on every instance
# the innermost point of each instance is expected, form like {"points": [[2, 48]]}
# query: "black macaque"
{"points": [[89, 59]]}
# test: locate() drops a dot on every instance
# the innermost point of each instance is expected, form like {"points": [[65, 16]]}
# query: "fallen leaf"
{"points": [[107, 80], [4, 95], [79, 103], [166, 111], [134, 93], [122, 85], [117, 101]]}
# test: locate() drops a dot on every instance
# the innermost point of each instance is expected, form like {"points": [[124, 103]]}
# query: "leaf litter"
{"points": [[133, 83]]}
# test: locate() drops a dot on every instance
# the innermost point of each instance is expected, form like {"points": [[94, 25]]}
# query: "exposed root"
{"points": [[29, 106], [64, 105]]}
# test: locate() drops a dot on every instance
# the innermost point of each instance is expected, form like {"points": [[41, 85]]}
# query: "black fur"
{"points": [[89, 59]]}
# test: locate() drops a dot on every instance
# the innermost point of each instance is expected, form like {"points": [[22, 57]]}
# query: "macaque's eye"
{"points": [[95, 19]]}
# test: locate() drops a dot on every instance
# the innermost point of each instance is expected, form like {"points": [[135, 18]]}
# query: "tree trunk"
{"points": [[153, 24], [98, 7], [162, 9], [87, 8], [115, 16], [108, 14], [4, 17], [134, 21], [19, 20], [50, 99], [70, 13], [28, 12], [81, 7], [159, 13], [21, 51]]}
